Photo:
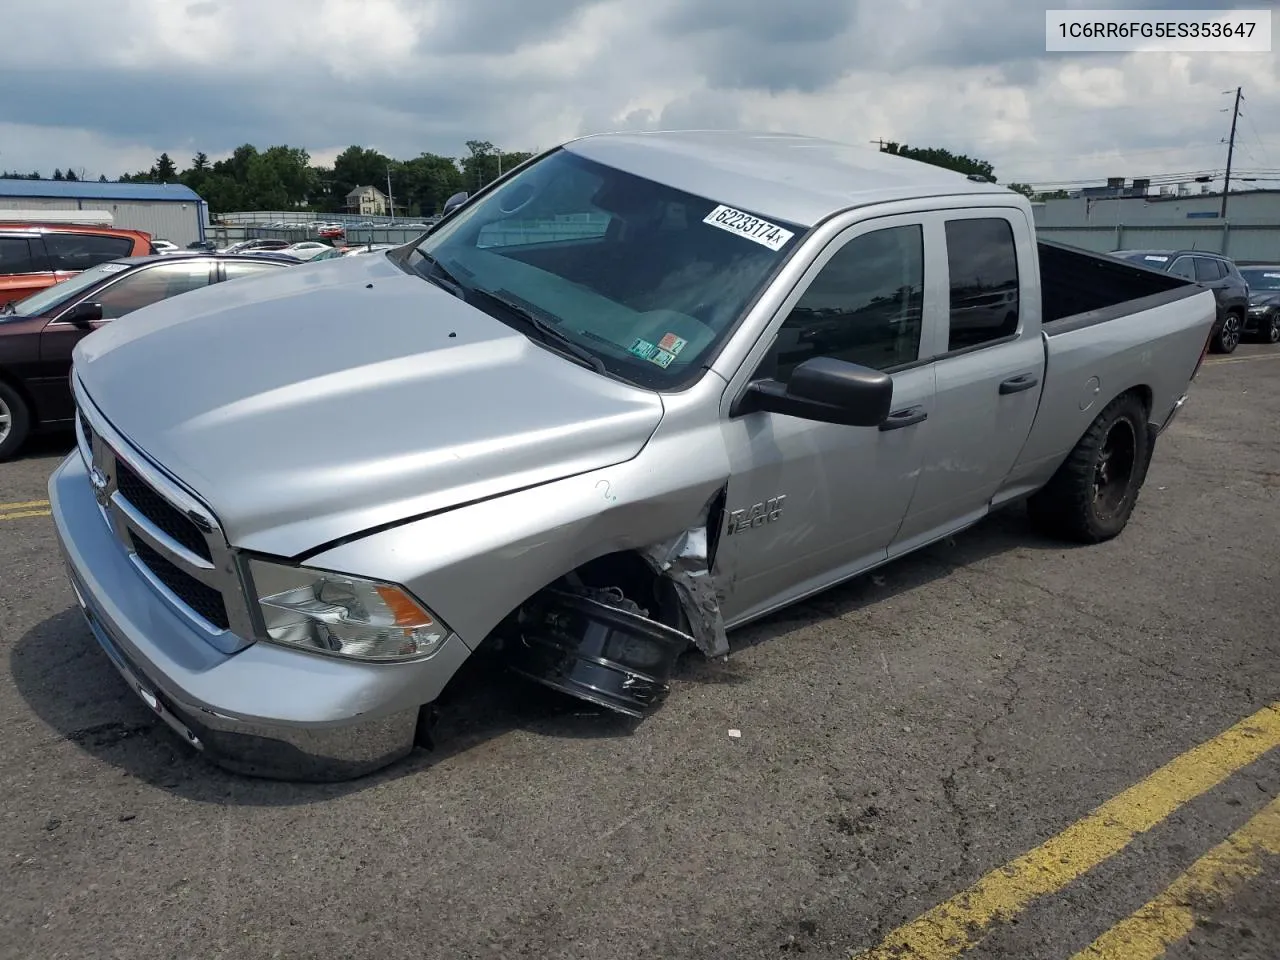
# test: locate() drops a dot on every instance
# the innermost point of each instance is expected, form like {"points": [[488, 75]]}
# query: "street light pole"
{"points": [[390, 199]]}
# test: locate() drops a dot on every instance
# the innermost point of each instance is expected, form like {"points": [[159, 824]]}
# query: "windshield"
{"points": [[646, 278], [1262, 278], [43, 300]]}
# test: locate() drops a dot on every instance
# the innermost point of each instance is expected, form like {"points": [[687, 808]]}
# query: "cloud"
{"points": [[135, 78]]}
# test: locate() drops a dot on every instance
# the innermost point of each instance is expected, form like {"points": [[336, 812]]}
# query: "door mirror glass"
{"points": [[827, 390], [454, 202], [83, 314]]}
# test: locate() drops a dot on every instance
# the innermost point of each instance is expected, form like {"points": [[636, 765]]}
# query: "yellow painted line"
{"points": [[23, 505], [954, 926], [1207, 883], [1260, 356], [24, 513]]}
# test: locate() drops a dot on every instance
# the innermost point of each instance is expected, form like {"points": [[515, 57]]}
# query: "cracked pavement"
{"points": [[901, 735]]}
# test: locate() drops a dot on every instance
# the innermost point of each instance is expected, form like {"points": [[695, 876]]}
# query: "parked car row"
{"points": [[38, 332], [1248, 295]]}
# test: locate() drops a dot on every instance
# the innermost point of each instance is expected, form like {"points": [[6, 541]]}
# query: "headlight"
{"points": [[342, 615]]}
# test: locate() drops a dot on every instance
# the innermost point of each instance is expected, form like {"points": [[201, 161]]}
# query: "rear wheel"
{"points": [[15, 421], [1228, 338], [1092, 496]]}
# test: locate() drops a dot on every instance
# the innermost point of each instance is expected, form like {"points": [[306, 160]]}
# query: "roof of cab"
{"points": [[795, 178]]}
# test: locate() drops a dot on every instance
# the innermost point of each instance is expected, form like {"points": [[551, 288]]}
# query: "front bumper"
{"points": [[264, 710]]}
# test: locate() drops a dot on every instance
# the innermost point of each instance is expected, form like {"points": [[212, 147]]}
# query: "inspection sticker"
{"points": [[642, 348], [745, 225], [672, 344], [662, 358]]}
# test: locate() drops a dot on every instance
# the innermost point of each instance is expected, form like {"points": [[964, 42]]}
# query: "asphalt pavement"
{"points": [[1002, 747]]}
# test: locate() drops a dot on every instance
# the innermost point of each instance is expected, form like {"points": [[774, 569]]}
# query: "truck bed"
{"points": [[1081, 288], [1107, 327]]}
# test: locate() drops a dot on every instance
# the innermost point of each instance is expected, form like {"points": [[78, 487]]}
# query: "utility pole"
{"points": [[390, 198], [1231, 146], [879, 143]]}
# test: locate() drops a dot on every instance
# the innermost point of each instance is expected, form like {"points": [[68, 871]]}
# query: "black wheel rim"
{"points": [[1113, 470], [1230, 332]]}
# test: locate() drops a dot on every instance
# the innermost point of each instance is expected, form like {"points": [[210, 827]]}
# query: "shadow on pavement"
{"points": [[68, 681]]}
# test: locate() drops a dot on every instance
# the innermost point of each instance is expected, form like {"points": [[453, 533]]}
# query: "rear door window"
{"points": [[983, 261], [80, 251], [1207, 269], [1183, 267]]}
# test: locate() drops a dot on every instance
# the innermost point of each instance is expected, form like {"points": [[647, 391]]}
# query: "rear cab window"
{"points": [[982, 260]]}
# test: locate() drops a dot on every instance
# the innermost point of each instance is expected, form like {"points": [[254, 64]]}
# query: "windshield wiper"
{"points": [[548, 331], [439, 275]]}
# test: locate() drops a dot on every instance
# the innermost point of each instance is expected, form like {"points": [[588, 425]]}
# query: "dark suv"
{"points": [[1264, 300], [1211, 270]]}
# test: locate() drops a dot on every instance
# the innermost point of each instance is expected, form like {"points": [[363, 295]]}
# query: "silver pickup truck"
{"points": [[639, 391]]}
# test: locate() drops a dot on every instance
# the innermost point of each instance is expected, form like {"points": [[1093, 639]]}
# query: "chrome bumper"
{"points": [[263, 711]]}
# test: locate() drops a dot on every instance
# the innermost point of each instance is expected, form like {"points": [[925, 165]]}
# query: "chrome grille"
{"points": [[200, 597], [172, 538], [160, 511]]}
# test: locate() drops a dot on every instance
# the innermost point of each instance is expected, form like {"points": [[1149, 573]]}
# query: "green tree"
{"points": [[941, 157], [200, 163], [165, 171], [102, 178], [57, 174], [1025, 189]]}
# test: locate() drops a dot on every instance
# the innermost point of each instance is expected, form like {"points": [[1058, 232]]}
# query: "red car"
{"points": [[38, 255]]}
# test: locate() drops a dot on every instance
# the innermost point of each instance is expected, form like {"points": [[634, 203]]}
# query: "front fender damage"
{"points": [[596, 643]]}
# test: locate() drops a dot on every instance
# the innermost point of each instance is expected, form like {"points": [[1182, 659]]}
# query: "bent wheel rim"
{"points": [[1113, 470]]}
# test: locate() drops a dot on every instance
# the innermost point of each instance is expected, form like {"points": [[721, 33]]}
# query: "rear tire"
{"points": [[1269, 329], [1228, 338], [15, 421], [1093, 493]]}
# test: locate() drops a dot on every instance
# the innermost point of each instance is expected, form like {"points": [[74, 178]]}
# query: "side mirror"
{"points": [[83, 314], [826, 390], [454, 202]]}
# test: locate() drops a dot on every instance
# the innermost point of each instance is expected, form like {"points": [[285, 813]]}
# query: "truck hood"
{"points": [[315, 402]]}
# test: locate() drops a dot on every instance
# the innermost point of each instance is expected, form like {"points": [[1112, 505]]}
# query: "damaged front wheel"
{"points": [[599, 648]]}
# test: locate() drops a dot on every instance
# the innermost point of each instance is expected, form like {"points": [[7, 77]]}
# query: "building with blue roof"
{"points": [[167, 211]]}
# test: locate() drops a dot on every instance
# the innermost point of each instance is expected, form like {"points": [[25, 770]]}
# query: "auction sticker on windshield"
{"points": [[745, 225]]}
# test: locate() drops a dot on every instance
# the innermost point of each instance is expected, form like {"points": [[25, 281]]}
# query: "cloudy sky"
{"points": [[106, 85]]}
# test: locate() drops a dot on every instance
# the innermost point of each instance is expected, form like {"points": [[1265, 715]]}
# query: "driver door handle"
{"points": [[1018, 384], [905, 418]]}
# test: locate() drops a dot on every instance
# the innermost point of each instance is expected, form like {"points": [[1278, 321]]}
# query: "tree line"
{"points": [[283, 177]]}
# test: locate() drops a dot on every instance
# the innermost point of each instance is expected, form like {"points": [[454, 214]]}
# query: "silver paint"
{"points": [[324, 413]]}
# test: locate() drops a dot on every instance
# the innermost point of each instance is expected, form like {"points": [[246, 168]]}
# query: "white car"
{"points": [[306, 249]]}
